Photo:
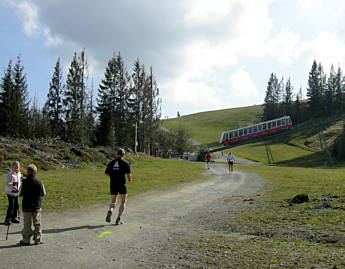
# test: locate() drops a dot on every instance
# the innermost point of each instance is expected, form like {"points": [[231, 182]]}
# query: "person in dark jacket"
{"points": [[32, 191], [118, 170]]}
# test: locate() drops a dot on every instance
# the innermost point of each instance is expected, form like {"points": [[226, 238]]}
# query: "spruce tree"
{"points": [[314, 90], [288, 89], [330, 92], [6, 102], [137, 100], [71, 101], [270, 104], [54, 105], [21, 103], [151, 110]]}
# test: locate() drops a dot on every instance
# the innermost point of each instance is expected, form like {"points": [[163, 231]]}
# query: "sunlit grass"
{"points": [[81, 187]]}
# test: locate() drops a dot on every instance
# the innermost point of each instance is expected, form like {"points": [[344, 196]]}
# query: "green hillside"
{"points": [[206, 127], [298, 149]]}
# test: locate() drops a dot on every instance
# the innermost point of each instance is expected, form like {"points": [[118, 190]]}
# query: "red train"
{"points": [[255, 130]]}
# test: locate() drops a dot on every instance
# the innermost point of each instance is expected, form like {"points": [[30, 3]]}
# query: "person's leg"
{"points": [[9, 209], [15, 208], [121, 208], [36, 217], [112, 204], [27, 231], [232, 167]]}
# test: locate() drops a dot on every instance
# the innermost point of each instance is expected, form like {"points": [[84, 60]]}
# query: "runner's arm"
{"points": [[129, 178]]}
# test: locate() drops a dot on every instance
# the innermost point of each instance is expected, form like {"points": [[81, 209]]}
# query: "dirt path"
{"points": [[156, 224]]}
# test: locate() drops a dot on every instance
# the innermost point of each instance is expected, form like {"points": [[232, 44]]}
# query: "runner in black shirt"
{"points": [[117, 170]]}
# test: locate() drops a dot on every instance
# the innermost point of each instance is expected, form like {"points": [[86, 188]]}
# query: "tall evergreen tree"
{"points": [[271, 101], [72, 97], [83, 96], [54, 105], [7, 102], [288, 89], [314, 91], [151, 110], [339, 101], [21, 106], [113, 104], [330, 92], [137, 100]]}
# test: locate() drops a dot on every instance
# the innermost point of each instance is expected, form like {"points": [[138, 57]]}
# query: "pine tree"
{"points": [[314, 91], [21, 104], [330, 92], [271, 102], [137, 100], [121, 103], [6, 102], [151, 110], [83, 96], [288, 89], [54, 105], [105, 131], [72, 97], [339, 101]]}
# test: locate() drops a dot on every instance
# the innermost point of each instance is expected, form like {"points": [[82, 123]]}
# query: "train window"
{"points": [[236, 134], [274, 124], [255, 128], [260, 127], [245, 131], [240, 132], [226, 136], [289, 120], [231, 135], [279, 122], [264, 126], [251, 129], [269, 125], [283, 121]]}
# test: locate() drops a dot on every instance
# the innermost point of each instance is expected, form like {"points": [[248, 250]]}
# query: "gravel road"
{"points": [[155, 225]]}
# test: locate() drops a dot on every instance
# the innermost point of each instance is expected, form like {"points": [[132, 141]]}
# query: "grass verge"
{"points": [[268, 231], [70, 188]]}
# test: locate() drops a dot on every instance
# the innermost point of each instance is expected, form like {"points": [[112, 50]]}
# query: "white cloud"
{"points": [[206, 12], [284, 46], [197, 94], [242, 86], [28, 13], [325, 48]]}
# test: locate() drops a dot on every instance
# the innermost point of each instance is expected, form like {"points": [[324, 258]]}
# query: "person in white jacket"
{"points": [[13, 184]]}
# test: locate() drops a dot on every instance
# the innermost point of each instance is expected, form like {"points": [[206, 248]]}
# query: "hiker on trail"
{"points": [[231, 161], [117, 170], [13, 184], [32, 192], [208, 160]]}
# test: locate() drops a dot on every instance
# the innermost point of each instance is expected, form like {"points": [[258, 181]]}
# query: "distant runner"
{"points": [[231, 161], [117, 170], [208, 160]]}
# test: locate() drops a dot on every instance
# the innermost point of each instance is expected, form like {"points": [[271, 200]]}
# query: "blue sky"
{"points": [[206, 55]]}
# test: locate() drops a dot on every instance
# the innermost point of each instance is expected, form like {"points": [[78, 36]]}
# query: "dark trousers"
{"points": [[13, 206]]}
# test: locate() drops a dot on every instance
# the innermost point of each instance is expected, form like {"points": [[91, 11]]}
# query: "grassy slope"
{"points": [[206, 127]]}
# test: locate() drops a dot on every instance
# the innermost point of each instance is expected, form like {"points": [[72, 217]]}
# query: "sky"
{"points": [[205, 55]]}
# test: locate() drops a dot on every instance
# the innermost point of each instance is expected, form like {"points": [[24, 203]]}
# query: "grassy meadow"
{"points": [[70, 188], [206, 127]]}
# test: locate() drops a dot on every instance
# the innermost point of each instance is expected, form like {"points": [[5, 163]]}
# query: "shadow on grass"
{"points": [[311, 160]]}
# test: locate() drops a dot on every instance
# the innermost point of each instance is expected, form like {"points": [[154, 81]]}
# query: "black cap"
{"points": [[121, 152]]}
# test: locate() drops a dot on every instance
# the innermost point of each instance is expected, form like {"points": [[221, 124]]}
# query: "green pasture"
{"points": [[206, 127], [71, 188]]}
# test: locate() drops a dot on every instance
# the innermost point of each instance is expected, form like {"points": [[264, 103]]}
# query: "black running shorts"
{"points": [[117, 189], [231, 162]]}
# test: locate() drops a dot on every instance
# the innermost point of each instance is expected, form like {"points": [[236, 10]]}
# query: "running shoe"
{"points": [[108, 218]]}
